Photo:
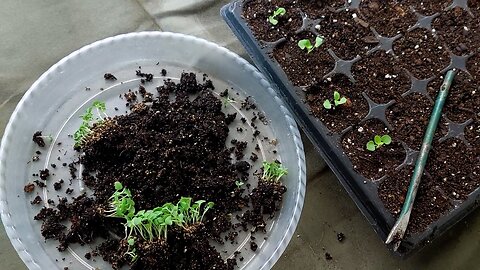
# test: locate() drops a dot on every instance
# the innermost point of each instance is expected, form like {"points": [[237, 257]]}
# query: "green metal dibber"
{"points": [[398, 230]]}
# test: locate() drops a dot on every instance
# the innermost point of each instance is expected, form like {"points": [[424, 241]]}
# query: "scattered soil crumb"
{"points": [[110, 77], [37, 200], [29, 187], [38, 139]]}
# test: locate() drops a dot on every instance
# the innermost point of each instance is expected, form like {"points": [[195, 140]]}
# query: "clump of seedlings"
{"points": [[267, 196], [81, 135], [278, 12], [273, 171], [226, 100], [337, 101], [306, 44], [378, 141], [153, 224]]}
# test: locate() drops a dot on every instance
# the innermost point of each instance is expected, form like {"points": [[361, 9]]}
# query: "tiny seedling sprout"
{"points": [[273, 171], [81, 135], [278, 12], [378, 141], [306, 44], [226, 101], [337, 101], [48, 138], [239, 183]]}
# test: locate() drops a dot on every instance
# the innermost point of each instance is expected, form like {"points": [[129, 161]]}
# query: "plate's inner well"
{"points": [[59, 157]]}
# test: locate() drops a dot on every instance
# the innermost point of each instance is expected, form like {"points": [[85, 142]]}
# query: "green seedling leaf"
{"points": [[279, 12], [342, 100], [273, 171], [131, 241], [84, 130], [272, 20], [210, 205], [336, 95], [319, 41], [371, 146], [327, 104], [227, 101], [168, 220], [304, 43], [99, 105], [378, 140], [239, 183], [386, 139], [118, 186], [88, 116]]}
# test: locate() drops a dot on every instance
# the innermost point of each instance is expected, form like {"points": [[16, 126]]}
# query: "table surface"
{"points": [[36, 34]]}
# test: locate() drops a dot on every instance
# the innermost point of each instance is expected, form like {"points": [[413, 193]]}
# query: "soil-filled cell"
{"points": [[257, 16], [389, 18], [337, 118], [303, 68], [409, 118], [380, 77], [377, 163], [346, 34], [458, 30], [421, 53]]}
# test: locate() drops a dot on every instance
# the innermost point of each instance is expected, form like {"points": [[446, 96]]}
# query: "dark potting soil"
{"points": [[304, 69], [380, 77], [387, 76], [372, 164], [458, 29], [37, 138], [341, 117], [389, 18], [259, 13], [162, 152], [421, 54], [429, 7], [410, 116]]}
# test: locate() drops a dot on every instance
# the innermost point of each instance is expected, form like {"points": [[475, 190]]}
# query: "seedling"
{"points": [[337, 101], [239, 184], [227, 101], [279, 12], [306, 44], [131, 251], [273, 171], [378, 141], [48, 138], [81, 135], [121, 203]]}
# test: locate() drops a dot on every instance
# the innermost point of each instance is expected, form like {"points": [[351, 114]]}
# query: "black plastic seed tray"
{"points": [[363, 191]]}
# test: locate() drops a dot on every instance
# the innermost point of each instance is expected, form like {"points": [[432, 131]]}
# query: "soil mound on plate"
{"points": [[161, 151]]}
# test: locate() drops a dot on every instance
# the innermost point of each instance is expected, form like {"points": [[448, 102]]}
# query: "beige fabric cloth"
{"points": [[36, 34]]}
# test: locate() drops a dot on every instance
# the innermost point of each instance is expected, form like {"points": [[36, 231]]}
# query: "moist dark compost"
{"points": [[166, 149], [376, 71]]}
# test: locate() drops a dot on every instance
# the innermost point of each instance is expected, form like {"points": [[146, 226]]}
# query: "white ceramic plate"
{"points": [[59, 96]]}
